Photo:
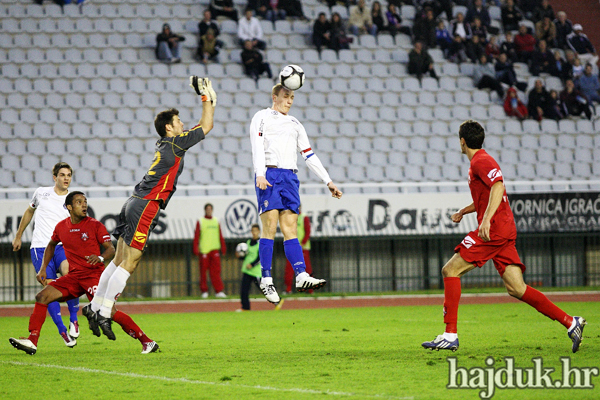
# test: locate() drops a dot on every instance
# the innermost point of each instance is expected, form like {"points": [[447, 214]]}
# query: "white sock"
{"points": [[301, 276], [116, 284], [102, 286], [267, 281], [451, 337], [572, 325]]}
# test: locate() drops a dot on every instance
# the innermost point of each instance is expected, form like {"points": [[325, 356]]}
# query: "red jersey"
{"points": [[484, 172], [81, 240]]}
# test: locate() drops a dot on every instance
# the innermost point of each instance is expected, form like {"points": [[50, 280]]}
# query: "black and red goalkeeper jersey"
{"points": [[160, 180]]}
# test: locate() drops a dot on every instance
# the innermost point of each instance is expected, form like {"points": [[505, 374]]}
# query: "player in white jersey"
{"points": [[276, 139], [47, 208]]}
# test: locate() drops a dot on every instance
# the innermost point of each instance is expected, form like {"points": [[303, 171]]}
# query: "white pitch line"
{"points": [[195, 382]]}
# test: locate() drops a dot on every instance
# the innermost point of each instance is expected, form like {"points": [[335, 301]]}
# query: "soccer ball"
{"points": [[242, 249], [291, 77]]}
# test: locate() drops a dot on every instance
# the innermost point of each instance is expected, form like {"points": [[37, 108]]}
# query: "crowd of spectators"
{"points": [[528, 32]]}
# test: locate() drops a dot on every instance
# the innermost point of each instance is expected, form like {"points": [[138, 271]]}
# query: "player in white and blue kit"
{"points": [[48, 208], [276, 139]]}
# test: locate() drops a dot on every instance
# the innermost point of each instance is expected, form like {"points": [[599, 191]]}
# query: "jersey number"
{"points": [[155, 161]]}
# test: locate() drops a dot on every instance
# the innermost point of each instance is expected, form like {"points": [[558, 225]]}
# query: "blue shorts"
{"points": [[283, 195], [53, 268]]}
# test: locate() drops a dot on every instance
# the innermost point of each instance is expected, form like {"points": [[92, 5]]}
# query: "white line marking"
{"points": [[195, 382]]}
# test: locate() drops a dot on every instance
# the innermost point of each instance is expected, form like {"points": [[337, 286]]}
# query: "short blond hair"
{"points": [[277, 89]]}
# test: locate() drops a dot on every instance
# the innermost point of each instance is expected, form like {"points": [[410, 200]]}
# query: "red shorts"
{"points": [[78, 282], [477, 252]]}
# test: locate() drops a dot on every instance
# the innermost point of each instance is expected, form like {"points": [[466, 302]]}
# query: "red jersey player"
{"points": [[495, 240], [82, 237]]}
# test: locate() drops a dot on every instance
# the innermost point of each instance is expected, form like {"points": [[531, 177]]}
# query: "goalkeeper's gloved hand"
{"points": [[203, 87]]}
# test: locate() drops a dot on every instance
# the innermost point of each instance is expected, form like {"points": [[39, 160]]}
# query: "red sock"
{"points": [[451, 300], [540, 302], [36, 320], [130, 327]]}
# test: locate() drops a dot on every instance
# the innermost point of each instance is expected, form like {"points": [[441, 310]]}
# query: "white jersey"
{"points": [[277, 139], [50, 209]]}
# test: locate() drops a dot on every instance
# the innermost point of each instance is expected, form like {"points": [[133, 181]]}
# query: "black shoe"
{"points": [[91, 317], [105, 324]]}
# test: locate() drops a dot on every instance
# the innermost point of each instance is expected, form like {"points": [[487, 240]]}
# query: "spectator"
{"points": [[580, 44], [339, 38], [254, 66], [546, 30], [208, 23], [458, 51], [539, 104], [209, 47], [542, 60], [577, 68], [274, 12], [420, 62], [492, 50], [167, 45], [484, 76], [562, 68], [544, 10], [524, 44], [529, 7], [321, 32], [461, 28], [377, 17], [511, 16], [360, 20], [394, 21], [588, 84], [293, 8], [424, 29], [513, 107], [477, 29], [249, 29], [475, 49], [564, 27], [477, 10], [556, 105], [573, 101], [443, 38], [223, 8], [508, 47], [505, 73]]}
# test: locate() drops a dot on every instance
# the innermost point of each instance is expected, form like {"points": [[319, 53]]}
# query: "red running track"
{"points": [[297, 303]]}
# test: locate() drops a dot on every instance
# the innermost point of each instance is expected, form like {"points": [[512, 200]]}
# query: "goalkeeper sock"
{"points": [[265, 253], [293, 252]]}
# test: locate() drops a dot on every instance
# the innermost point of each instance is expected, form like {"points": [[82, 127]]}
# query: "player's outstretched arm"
{"points": [[203, 87], [335, 192], [27, 216], [457, 217]]}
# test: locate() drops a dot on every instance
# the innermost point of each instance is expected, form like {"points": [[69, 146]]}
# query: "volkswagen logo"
{"points": [[240, 216]]}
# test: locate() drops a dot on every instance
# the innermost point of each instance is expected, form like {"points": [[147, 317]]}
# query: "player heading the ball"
{"points": [[276, 139]]}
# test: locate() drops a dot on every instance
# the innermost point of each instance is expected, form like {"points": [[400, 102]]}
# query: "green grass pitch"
{"points": [[354, 353]]}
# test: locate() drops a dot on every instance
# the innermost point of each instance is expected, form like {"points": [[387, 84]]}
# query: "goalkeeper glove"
{"points": [[203, 87]]}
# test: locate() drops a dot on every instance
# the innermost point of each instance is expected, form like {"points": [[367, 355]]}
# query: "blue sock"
{"points": [[293, 252], [54, 311], [265, 253], [73, 309]]}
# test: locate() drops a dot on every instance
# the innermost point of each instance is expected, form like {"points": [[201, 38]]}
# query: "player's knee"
{"points": [[41, 298], [448, 271]]}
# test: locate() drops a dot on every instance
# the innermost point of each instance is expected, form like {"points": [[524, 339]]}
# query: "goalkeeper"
{"points": [[140, 212]]}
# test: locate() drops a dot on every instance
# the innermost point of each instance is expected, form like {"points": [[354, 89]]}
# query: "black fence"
{"points": [[359, 264]]}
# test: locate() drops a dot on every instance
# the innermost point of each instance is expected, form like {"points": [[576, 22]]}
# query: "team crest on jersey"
{"points": [[84, 236], [494, 174], [266, 203], [139, 237], [468, 242]]}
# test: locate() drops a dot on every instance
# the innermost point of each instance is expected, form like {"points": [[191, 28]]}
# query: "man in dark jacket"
{"points": [[540, 103], [574, 102], [321, 32], [223, 8], [424, 29], [564, 27], [208, 23], [511, 15], [542, 60], [167, 45], [580, 44], [253, 62], [479, 11], [420, 62]]}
